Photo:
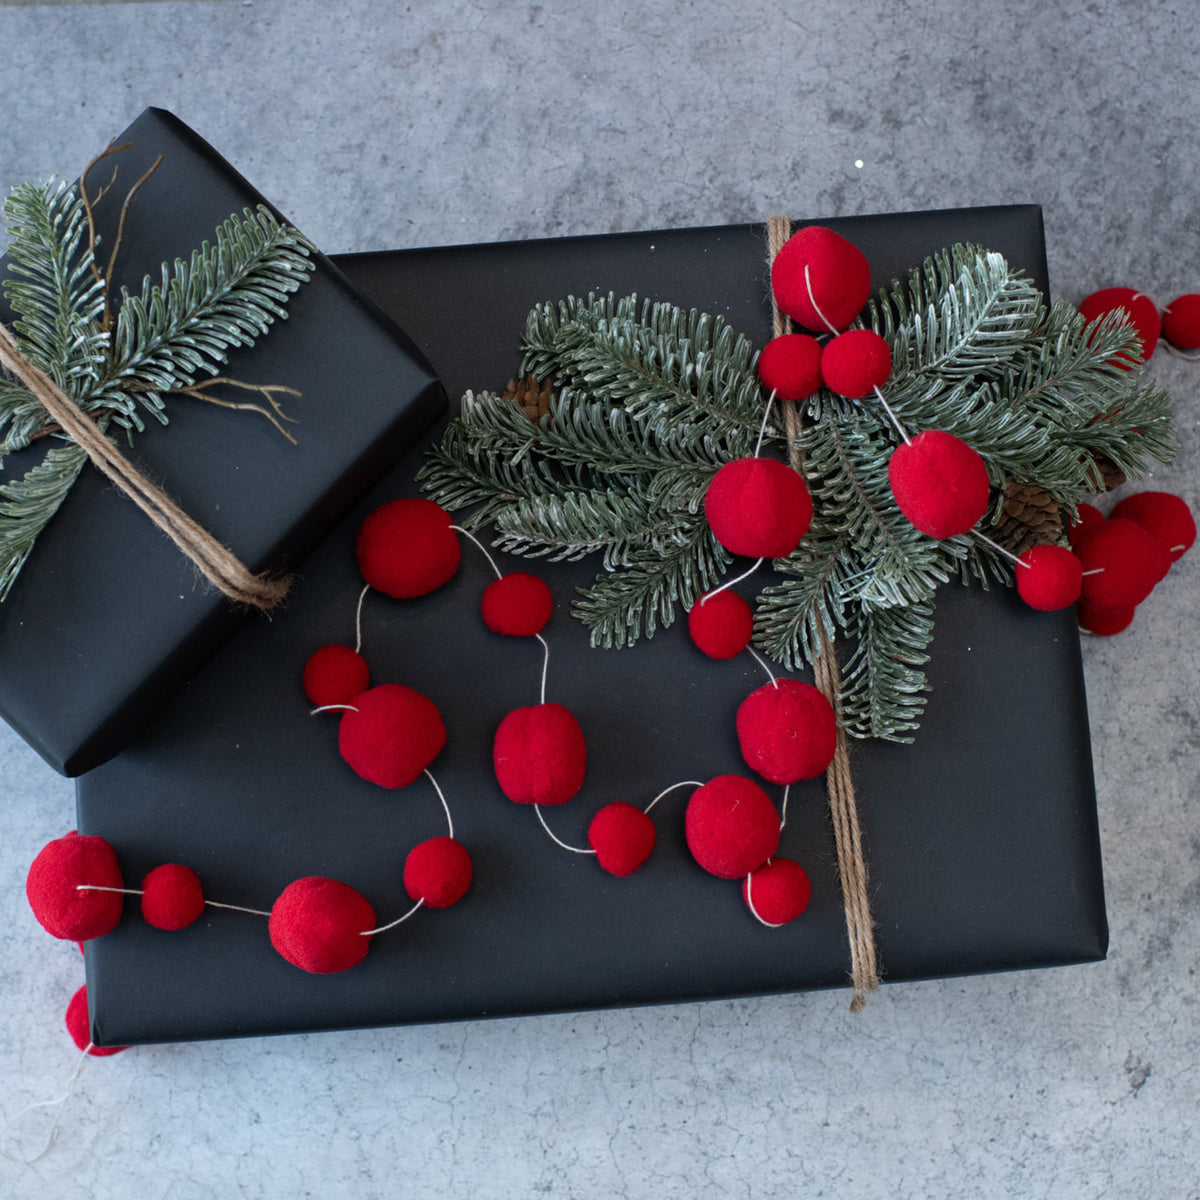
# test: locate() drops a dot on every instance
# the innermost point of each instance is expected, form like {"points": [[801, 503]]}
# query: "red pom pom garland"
{"points": [[857, 363], [622, 836], [721, 624], [172, 897], [391, 734], [438, 872], [321, 925], [74, 887], [1121, 565], [731, 826], [940, 483], [758, 507], [517, 605], [1049, 578], [407, 548], [1165, 517], [820, 279], [1181, 322], [787, 731], [335, 674], [1137, 309], [790, 366], [79, 1027], [777, 892]]}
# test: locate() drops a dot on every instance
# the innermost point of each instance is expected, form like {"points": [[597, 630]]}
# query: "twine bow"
{"points": [[219, 565], [843, 805]]}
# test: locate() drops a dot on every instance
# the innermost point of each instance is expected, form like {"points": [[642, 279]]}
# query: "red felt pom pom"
{"points": [[731, 826], [622, 836], [393, 736], [1140, 311], [721, 624], [335, 675], [839, 279], [856, 363], [1104, 624], [790, 366], [758, 507], [1181, 322], [318, 925], [518, 605], [438, 872], [940, 483], [1127, 564], [172, 897], [78, 1027], [787, 731], [406, 548], [1165, 517], [540, 755], [1089, 516], [1049, 577], [52, 887], [778, 891]]}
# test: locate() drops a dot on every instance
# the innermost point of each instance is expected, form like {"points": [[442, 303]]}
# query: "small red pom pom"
{"points": [[539, 755], [1165, 517], [721, 625], [517, 605], [778, 891], [78, 1027], [940, 483], [393, 736], [622, 836], [335, 675], [856, 363], [438, 872], [758, 507], [52, 887], [1138, 309], [172, 897], [1103, 624], [318, 925], [1181, 322], [406, 548], [1049, 577], [1089, 516], [790, 366], [787, 731], [1127, 564], [838, 274], [731, 826]]}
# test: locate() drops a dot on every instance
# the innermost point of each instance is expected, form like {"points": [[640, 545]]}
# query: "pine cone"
{"points": [[1112, 474], [533, 397], [1030, 517]]}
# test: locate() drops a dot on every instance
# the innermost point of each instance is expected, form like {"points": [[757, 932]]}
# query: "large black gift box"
{"points": [[107, 619], [981, 838]]}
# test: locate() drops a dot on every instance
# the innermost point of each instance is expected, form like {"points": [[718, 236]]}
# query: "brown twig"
{"points": [[268, 391], [112, 258], [89, 204]]}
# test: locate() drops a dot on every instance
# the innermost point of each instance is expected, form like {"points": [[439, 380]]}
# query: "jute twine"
{"points": [[215, 562], [843, 806]]}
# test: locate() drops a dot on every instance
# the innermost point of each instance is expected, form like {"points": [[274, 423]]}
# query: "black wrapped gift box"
{"points": [[981, 838], [107, 619]]}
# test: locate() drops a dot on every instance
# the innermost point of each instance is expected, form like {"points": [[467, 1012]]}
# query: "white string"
{"points": [[787, 787], [545, 663], [1179, 353], [358, 619], [762, 429], [442, 798], [668, 790], [750, 902], [96, 887], [332, 708], [1094, 571], [996, 546], [392, 924], [537, 808], [762, 662], [467, 533], [51, 1137], [254, 912], [729, 583], [895, 420], [817, 308]]}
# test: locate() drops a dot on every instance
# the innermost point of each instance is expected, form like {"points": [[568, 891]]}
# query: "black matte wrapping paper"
{"points": [[107, 619], [981, 838]]}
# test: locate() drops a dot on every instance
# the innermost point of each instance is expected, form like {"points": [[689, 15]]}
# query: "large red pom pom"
{"points": [[517, 605], [540, 755], [1127, 564], [790, 366], [52, 887], [1049, 577], [406, 548], [393, 736], [787, 731], [721, 625], [1138, 309], [1181, 322], [838, 274], [856, 363], [1088, 516], [731, 826], [172, 897], [335, 675], [940, 483], [438, 872], [1103, 624], [778, 891], [622, 836], [1165, 517], [758, 507], [319, 924], [78, 1027]]}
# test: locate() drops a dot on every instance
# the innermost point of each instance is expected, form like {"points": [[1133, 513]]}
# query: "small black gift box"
{"points": [[981, 838]]}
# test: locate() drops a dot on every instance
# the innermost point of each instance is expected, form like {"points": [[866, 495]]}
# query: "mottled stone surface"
{"points": [[385, 125]]}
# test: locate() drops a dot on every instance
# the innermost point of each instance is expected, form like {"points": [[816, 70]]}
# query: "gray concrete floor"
{"points": [[379, 125]]}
